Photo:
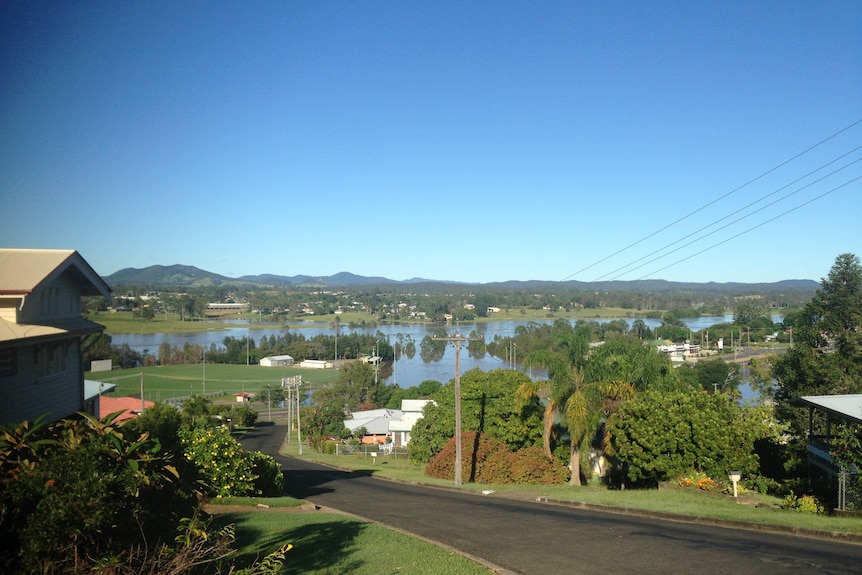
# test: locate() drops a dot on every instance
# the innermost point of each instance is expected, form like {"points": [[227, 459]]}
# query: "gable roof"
{"points": [[24, 270], [375, 421]]}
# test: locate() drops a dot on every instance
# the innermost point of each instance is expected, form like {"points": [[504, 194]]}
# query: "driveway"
{"points": [[527, 537]]}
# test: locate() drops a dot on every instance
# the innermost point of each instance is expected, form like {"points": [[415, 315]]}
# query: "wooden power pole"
{"points": [[457, 339]]}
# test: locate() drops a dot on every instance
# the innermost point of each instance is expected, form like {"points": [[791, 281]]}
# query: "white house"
{"points": [[276, 361], [375, 421], [411, 412]]}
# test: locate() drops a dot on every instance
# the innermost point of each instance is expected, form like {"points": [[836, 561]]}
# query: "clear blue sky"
{"points": [[467, 141]]}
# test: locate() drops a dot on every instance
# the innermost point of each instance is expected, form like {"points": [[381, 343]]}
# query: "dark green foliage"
{"points": [[826, 357], [240, 415], [79, 489], [659, 435], [488, 405]]}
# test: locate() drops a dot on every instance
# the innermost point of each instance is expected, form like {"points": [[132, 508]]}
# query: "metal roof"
{"points": [[11, 331], [847, 406], [23, 270]]}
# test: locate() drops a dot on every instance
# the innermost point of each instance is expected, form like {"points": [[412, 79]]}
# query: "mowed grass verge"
{"points": [[754, 508], [325, 543]]}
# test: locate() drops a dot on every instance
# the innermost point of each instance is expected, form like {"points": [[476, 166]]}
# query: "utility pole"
{"points": [[457, 339], [293, 400]]}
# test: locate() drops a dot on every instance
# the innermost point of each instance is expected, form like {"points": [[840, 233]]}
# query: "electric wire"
{"points": [[743, 217], [731, 192], [733, 213], [761, 224]]}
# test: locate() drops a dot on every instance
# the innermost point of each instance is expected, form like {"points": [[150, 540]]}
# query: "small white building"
{"points": [[679, 351], [375, 421], [276, 361], [315, 364], [411, 412]]}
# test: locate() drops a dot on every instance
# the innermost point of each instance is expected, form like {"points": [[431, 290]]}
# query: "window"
{"points": [[51, 360], [8, 363]]}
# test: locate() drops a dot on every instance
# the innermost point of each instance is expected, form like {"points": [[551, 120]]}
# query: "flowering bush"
{"points": [[699, 480], [226, 468]]}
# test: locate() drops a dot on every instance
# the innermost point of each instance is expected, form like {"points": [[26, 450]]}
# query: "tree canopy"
{"points": [[826, 357], [487, 406]]}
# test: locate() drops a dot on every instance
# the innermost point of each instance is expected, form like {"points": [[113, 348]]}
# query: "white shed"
{"points": [[276, 361]]}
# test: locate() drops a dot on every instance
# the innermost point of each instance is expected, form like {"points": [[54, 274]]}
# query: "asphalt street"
{"points": [[528, 537]]}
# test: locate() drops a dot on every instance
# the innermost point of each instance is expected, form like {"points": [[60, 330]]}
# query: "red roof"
{"points": [[131, 405]]}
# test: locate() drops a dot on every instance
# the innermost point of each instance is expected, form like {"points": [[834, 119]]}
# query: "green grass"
{"points": [[749, 507], [328, 543], [162, 383]]}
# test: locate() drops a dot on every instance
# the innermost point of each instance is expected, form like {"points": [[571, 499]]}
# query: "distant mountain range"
{"points": [[189, 276]]}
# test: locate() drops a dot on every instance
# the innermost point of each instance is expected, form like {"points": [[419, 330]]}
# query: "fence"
{"points": [[381, 450], [849, 491]]}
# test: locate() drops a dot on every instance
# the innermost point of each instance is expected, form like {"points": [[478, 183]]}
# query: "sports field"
{"points": [[178, 382]]}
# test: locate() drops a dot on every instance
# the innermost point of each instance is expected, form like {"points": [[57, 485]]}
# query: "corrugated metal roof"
{"points": [[22, 270], [10, 331], [848, 406]]}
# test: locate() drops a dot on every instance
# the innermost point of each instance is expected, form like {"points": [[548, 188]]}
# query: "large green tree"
{"points": [[659, 435], [826, 357], [585, 386], [487, 406]]}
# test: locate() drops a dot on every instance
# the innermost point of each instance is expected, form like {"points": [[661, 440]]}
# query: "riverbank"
{"points": [[127, 323]]}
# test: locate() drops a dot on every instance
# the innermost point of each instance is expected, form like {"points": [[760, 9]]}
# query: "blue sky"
{"points": [[475, 142]]}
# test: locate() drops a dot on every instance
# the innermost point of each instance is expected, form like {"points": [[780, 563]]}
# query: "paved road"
{"points": [[531, 538]]}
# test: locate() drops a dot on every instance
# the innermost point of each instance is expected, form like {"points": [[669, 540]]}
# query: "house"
{"points": [[42, 333], [131, 407], [411, 412], [824, 411], [93, 392], [276, 361], [243, 397], [375, 422], [679, 351]]}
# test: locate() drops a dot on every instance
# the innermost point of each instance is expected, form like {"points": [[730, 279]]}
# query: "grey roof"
{"points": [[847, 406]]}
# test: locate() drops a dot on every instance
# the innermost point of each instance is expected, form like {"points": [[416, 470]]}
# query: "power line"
{"points": [[782, 198], [781, 215], [764, 174]]}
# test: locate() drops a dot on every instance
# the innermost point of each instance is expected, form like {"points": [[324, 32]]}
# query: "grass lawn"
{"points": [[749, 507], [162, 383], [329, 543]]}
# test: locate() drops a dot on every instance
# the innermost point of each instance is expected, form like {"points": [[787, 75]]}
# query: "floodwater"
{"points": [[407, 372]]}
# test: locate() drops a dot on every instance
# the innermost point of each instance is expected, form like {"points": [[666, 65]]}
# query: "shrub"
{"points": [[228, 470], [487, 460], [77, 489], [803, 503], [240, 415], [529, 466]]}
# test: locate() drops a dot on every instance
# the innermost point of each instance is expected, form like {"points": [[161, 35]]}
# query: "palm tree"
{"points": [[585, 387]]}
